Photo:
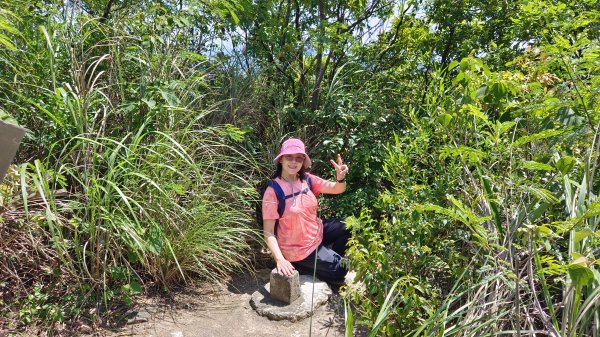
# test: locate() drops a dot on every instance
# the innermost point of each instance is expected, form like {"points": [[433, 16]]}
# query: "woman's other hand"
{"points": [[285, 267], [341, 169]]}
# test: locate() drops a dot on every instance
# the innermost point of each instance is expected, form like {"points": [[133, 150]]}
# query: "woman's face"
{"points": [[292, 163]]}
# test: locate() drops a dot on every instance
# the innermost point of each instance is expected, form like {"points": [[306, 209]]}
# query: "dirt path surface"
{"points": [[226, 312]]}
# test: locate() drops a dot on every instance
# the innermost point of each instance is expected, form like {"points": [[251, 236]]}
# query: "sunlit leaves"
{"points": [[533, 165], [229, 8], [541, 194], [7, 27], [445, 119], [583, 234], [580, 273], [535, 137], [565, 164], [4, 116], [466, 153]]}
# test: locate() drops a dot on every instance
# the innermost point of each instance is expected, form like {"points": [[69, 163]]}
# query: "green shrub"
{"points": [[489, 210]]}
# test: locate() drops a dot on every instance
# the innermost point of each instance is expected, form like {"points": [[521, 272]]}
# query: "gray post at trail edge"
{"points": [[10, 138]]}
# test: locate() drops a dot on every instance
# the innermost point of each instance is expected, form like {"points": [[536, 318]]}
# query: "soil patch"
{"points": [[225, 311]]}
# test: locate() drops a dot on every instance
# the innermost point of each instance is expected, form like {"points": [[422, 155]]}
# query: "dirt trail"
{"points": [[226, 312]]}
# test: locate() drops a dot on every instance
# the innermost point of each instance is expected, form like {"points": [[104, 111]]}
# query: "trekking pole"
{"points": [[312, 296]]}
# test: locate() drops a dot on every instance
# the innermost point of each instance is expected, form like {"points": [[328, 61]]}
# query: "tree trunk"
{"points": [[314, 104], [299, 101], [106, 11]]}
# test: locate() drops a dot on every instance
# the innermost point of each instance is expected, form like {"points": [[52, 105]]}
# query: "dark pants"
{"points": [[329, 260]]}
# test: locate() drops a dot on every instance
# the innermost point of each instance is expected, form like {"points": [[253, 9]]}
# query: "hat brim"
{"points": [[307, 162]]}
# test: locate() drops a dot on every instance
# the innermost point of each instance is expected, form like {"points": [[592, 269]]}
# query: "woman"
{"points": [[300, 234]]}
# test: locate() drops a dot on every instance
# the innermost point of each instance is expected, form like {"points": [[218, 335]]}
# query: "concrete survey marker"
{"points": [[10, 138], [284, 288], [265, 305]]}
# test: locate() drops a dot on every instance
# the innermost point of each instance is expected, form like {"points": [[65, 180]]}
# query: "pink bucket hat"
{"points": [[293, 146]]}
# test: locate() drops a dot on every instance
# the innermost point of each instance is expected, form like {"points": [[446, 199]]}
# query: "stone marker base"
{"points": [[276, 310]]}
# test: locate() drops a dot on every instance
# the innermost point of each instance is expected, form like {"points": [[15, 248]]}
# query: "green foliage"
{"points": [[492, 193], [37, 306], [6, 26], [421, 249], [5, 117]]}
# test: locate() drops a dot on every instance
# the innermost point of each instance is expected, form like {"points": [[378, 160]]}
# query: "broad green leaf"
{"points": [[498, 90], [565, 164], [481, 92], [538, 136], [582, 234], [5, 117], [544, 230], [149, 102], [135, 287], [580, 273], [575, 256], [534, 165], [452, 65], [464, 64], [445, 119], [569, 117], [459, 78], [169, 97], [503, 127]]}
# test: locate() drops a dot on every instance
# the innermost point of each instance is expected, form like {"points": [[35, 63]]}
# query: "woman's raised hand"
{"points": [[341, 169]]}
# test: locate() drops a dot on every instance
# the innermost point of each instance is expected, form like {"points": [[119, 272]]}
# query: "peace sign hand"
{"points": [[341, 169]]}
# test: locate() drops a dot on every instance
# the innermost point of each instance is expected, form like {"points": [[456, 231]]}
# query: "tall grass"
{"points": [[131, 187], [140, 213], [528, 292], [148, 195]]}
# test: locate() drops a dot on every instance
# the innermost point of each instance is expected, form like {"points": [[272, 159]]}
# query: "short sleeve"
{"points": [[269, 205], [316, 183]]}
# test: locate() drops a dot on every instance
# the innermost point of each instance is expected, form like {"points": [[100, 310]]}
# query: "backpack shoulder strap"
{"points": [[280, 196], [308, 182]]}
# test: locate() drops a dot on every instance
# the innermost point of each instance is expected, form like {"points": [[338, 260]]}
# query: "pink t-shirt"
{"points": [[299, 231]]}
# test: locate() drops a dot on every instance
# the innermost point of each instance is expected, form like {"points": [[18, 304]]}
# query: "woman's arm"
{"points": [[333, 187], [284, 267]]}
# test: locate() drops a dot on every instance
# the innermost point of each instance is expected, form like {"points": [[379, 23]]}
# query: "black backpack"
{"points": [[281, 198]]}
